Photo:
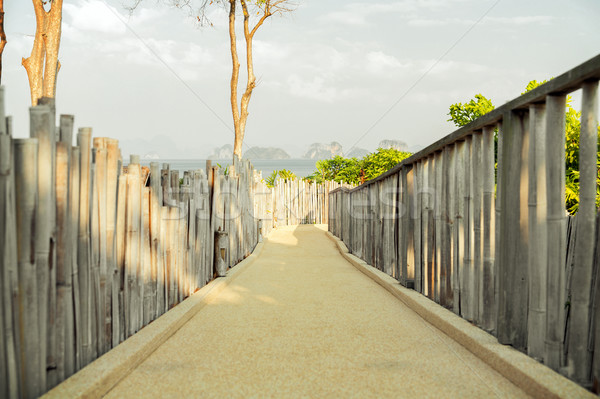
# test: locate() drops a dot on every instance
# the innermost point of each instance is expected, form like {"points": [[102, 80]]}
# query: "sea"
{"points": [[300, 167]]}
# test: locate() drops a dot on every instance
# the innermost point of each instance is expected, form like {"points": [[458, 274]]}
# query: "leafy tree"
{"points": [[463, 114], [381, 161], [357, 171], [572, 131]]}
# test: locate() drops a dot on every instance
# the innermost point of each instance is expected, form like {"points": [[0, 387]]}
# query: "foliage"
{"points": [[572, 131], [463, 114], [357, 171], [381, 161], [284, 174]]}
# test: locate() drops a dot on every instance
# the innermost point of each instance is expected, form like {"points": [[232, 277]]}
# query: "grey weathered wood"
{"points": [[467, 295], [448, 225], [513, 278], [437, 218], [148, 279], [9, 286], [42, 127], [84, 139], [418, 201], [555, 197], [488, 310], [112, 281], [155, 237], [477, 277], [65, 332], [121, 256], [498, 208], [31, 361], [578, 356], [74, 192], [461, 223], [536, 328]]}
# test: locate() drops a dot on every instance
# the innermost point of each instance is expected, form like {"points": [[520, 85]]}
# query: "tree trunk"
{"points": [[42, 65], [235, 73], [2, 36]]}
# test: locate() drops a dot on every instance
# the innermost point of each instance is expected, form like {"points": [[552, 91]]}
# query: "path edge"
{"points": [[99, 377], [534, 378]]}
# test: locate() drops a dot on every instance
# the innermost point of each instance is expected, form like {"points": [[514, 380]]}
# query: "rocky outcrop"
{"points": [[225, 152], [395, 144], [323, 151], [265, 153]]}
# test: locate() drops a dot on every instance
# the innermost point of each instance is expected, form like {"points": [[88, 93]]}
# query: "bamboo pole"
{"points": [[42, 127], [579, 357], [105, 279], [437, 217], [536, 323], [111, 294], [147, 275], [477, 266], [460, 238], [448, 220], [9, 282], [498, 207], [467, 294], [84, 138], [488, 319], [95, 258], [513, 278], [417, 215], [66, 346], [64, 304], [555, 196], [31, 359], [120, 279], [74, 237], [155, 238]]}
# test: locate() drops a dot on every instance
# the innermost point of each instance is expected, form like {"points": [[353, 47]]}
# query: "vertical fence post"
{"points": [[32, 363], [477, 266], [84, 139], [488, 311], [578, 360], [9, 283], [555, 197], [513, 278]]}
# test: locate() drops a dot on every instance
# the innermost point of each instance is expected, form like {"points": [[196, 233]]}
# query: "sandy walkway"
{"points": [[302, 322]]}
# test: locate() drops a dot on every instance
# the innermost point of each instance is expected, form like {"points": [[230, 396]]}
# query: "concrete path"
{"points": [[303, 322]]}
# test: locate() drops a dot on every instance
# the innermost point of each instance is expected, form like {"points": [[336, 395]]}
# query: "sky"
{"points": [[346, 71]]}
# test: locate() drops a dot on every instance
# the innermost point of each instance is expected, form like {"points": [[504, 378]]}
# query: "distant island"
{"points": [[270, 153], [265, 153], [323, 151]]}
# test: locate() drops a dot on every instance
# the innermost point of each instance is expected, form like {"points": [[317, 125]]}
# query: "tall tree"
{"points": [[261, 9], [42, 65], [2, 35]]}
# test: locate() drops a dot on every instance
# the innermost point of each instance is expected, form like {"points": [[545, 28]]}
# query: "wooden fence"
{"points": [[92, 251], [495, 249]]}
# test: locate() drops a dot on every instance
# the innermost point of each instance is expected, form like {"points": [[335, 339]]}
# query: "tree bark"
{"points": [[240, 115], [2, 35], [235, 73], [42, 65]]}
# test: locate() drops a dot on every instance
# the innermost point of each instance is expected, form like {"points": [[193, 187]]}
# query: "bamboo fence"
{"points": [[497, 248], [92, 250]]}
